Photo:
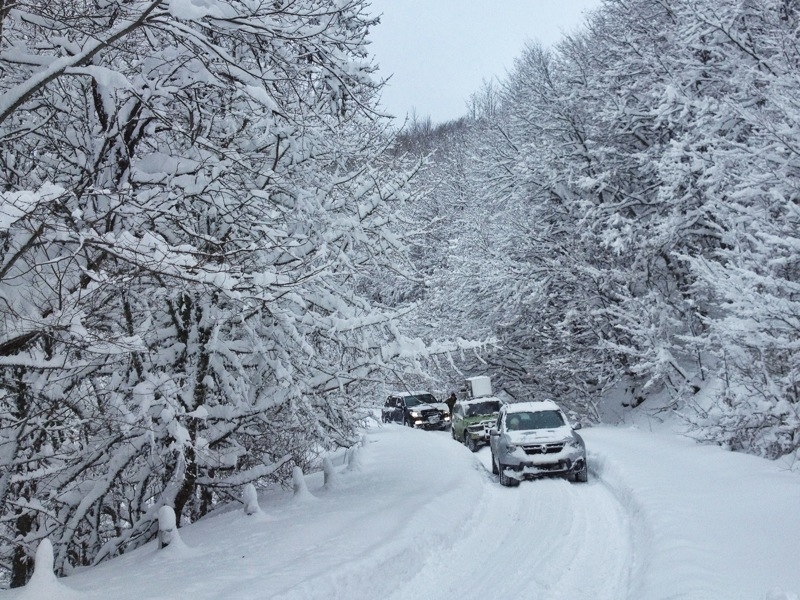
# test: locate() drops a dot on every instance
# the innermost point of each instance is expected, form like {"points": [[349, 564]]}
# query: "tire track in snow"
{"points": [[419, 524], [545, 539]]}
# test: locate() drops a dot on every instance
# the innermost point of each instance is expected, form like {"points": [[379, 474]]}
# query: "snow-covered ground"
{"points": [[422, 518]]}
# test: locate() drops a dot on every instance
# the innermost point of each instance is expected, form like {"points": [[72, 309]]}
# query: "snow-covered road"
{"points": [[422, 518], [552, 540]]}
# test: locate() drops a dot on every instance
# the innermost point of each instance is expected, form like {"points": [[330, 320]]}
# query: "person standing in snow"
{"points": [[451, 401]]}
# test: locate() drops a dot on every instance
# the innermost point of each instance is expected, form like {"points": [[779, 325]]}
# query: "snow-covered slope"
{"points": [[422, 518]]}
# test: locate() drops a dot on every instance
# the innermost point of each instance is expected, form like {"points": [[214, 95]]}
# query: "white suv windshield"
{"points": [[545, 419]]}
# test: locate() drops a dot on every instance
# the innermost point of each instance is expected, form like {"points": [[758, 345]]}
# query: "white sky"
{"points": [[440, 51]]}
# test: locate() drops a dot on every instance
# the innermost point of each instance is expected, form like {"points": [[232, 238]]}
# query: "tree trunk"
{"points": [[21, 563], [187, 488]]}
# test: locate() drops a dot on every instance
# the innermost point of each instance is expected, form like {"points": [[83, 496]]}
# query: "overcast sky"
{"points": [[440, 51]]}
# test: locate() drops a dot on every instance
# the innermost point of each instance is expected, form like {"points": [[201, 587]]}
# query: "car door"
{"points": [[406, 404], [457, 421], [397, 409], [387, 411], [495, 433], [502, 442]]}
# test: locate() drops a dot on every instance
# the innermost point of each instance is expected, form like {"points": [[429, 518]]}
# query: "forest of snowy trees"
{"points": [[190, 198], [215, 252], [622, 213]]}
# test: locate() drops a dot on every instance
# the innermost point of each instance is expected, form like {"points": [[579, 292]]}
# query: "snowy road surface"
{"points": [[549, 540], [422, 518]]}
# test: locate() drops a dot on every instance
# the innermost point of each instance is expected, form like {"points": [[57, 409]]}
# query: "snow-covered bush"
{"points": [[299, 486], [330, 476], [354, 458]]}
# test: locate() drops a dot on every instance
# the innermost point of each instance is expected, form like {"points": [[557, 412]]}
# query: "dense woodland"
{"points": [[216, 254], [621, 213]]}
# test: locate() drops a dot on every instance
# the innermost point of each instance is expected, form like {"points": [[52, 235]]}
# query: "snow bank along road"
{"points": [[422, 518]]}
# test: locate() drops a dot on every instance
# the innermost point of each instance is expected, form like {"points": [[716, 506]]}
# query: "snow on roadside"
{"points": [[361, 539], [714, 524]]}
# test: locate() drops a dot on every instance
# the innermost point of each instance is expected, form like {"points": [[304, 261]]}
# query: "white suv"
{"points": [[535, 439]]}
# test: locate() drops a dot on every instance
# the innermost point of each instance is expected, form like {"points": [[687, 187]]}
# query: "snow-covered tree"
{"points": [[630, 215], [750, 174], [189, 195]]}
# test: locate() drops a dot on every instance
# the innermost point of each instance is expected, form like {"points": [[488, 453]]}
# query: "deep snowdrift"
{"points": [[422, 518]]}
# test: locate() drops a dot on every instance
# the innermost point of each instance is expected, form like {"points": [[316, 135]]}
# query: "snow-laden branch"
{"points": [[12, 99]]}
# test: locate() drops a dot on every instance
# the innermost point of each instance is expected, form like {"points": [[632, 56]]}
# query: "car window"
{"points": [[545, 419], [425, 399], [483, 408], [419, 399]]}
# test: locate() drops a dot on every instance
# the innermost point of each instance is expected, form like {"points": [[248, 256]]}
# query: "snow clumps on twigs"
{"points": [[167, 528], [43, 582], [329, 474], [299, 485], [250, 500]]}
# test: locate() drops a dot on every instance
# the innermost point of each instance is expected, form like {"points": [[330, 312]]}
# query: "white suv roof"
{"points": [[480, 400], [532, 406], [415, 393]]}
